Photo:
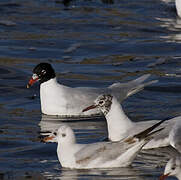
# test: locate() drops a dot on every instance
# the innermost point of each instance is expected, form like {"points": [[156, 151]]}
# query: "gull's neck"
{"points": [[66, 152], [117, 121], [52, 81]]}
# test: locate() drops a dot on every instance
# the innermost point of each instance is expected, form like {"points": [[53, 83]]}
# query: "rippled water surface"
{"points": [[89, 43]]}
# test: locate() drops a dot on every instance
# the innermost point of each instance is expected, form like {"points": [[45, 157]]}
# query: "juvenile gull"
{"points": [[100, 154]]}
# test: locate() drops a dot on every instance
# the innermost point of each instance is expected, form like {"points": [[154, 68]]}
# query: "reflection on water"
{"points": [[116, 173], [93, 129]]}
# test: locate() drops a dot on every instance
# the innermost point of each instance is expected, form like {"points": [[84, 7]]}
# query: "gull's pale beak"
{"points": [[32, 80], [164, 176], [90, 107], [48, 139]]}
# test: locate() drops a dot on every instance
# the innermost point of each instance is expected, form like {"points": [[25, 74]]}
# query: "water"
{"points": [[89, 43]]}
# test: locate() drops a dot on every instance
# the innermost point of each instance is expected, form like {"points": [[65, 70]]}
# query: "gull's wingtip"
{"points": [[148, 131]]}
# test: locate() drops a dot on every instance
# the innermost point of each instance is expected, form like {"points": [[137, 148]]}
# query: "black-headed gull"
{"points": [[100, 154], [57, 99], [173, 166], [120, 126]]}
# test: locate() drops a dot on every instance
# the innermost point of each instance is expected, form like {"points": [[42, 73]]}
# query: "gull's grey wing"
{"points": [[104, 151], [108, 151], [120, 90], [131, 87], [168, 126]]}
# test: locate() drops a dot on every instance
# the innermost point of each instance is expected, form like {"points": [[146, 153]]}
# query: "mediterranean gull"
{"points": [[57, 99]]}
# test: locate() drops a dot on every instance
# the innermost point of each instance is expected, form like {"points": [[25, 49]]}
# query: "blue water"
{"points": [[89, 43]]}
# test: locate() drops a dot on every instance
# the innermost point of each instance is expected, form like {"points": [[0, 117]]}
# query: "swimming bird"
{"points": [[120, 126], [58, 99], [173, 166], [100, 154]]}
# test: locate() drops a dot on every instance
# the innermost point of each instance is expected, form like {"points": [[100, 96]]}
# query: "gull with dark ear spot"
{"points": [[119, 125], [100, 154], [58, 99]]}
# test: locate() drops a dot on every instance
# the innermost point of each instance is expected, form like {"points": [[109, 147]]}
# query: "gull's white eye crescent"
{"points": [[43, 72], [35, 76]]}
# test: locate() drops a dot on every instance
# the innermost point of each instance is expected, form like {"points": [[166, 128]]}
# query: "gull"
{"points": [[100, 154], [173, 166], [120, 126], [58, 99]]}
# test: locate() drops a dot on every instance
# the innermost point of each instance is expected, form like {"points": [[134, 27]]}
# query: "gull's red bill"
{"points": [[49, 138], [164, 176], [32, 80], [90, 107]]}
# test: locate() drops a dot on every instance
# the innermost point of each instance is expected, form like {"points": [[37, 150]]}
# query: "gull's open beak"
{"points": [[164, 176], [48, 139], [32, 80], [90, 107]]}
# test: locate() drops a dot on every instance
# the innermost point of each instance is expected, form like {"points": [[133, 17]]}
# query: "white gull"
{"points": [[57, 99], [120, 126], [100, 154]]}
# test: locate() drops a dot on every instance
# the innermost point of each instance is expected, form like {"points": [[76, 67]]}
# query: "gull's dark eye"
{"points": [[55, 133], [63, 135], [101, 102], [173, 168]]}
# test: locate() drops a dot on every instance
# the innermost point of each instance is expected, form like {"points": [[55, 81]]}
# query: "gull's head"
{"points": [[172, 168], [103, 102], [42, 73], [64, 135]]}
